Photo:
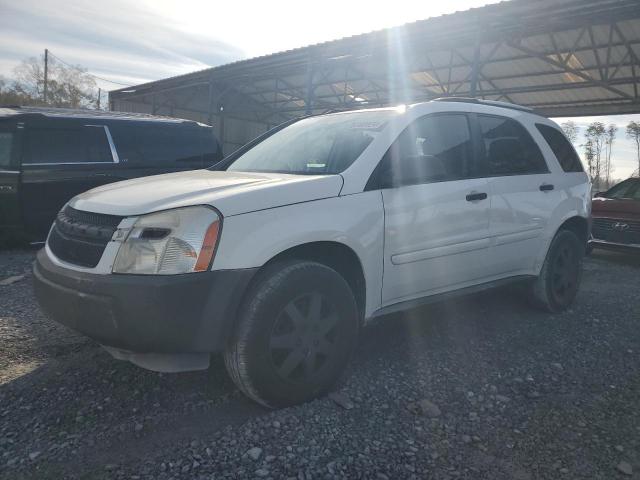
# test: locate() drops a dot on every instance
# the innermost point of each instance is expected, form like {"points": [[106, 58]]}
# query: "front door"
{"points": [[436, 211]]}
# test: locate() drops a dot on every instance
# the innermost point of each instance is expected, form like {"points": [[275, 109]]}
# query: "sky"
{"points": [[131, 42]]}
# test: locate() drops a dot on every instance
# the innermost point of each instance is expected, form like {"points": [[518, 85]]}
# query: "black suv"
{"points": [[49, 155]]}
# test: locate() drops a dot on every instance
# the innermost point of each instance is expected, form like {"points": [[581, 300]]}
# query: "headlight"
{"points": [[175, 241]]}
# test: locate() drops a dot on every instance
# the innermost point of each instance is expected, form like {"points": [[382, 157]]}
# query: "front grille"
{"points": [[616, 230], [80, 237]]}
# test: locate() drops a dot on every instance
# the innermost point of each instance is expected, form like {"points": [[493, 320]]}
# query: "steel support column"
{"points": [[475, 69], [211, 102], [308, 102]]}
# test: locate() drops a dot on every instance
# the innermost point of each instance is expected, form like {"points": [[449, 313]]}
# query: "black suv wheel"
{"points": [[557, 285], [295, 334]]}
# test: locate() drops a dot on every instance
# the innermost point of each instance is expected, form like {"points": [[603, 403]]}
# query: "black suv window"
{"points": [[562, 148], [434, 148], [508, 148], [166, 145], [67, 145], [6, 144]]}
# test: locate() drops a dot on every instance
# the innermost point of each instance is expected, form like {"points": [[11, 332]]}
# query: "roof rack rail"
{"points": [[492, 103], [86, 114]]}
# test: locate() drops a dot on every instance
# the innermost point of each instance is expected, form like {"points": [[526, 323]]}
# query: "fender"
{"points": [[250, 240], [576, 203]]}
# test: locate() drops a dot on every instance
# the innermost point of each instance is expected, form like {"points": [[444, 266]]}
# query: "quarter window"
{"points": [[562, 148], [87, 144], [435, 148], [508, 148]]}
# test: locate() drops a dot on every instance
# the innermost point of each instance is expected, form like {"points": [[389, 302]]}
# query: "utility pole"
{"points": [[46, 72]]}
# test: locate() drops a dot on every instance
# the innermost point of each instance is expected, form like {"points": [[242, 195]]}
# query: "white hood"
{"points": [[232, 193]]}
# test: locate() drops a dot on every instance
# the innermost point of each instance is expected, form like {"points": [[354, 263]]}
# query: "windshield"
{"points": [[321, 145], [628, 189]]}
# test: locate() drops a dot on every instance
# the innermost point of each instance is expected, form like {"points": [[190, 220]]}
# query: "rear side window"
{"points": [[166, 145], [508, 149], [87, 144], [6, 145], [435, 148], [562, 148]]}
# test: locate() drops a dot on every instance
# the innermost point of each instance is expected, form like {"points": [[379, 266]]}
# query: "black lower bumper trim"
{"points": [[143, 313]]}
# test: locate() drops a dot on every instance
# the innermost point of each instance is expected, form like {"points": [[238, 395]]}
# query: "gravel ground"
{"points": [[479, 388]]}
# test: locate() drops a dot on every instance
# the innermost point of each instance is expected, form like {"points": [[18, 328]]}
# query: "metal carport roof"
{"points": [[561, 57]]}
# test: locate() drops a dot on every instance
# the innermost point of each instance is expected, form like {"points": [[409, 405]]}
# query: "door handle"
{"points": [[473, 196], [546, 187]]}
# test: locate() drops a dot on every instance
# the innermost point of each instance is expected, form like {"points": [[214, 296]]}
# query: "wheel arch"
{"points": [[578, 225], [336, 255], [573, 222]]}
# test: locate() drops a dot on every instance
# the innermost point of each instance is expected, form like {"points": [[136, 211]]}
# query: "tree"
{"points": [[67, 85], [610, 136], [589, 156], [571, 130], [596, 139], [633, 132], [10, 96]]}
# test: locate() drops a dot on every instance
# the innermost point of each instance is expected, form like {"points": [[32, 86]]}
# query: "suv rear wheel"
{"points": [[557, 285], [295, 334]]}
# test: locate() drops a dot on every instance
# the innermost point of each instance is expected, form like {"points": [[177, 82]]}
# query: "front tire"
{"points": [[295, 334], [557, 285]]}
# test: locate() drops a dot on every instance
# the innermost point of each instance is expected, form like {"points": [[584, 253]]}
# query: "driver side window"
{"points": [[434, 148]]}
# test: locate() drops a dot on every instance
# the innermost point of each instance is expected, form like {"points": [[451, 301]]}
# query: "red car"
{"points": [[616, 217]]}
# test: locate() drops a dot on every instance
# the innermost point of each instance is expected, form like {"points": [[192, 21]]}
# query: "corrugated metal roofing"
{"points": [[562, 57]]}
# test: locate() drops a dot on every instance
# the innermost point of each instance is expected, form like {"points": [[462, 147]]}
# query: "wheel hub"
{"points": [[303, 337], [564, 272]]}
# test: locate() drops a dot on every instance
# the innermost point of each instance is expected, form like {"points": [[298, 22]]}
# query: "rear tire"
{"points": [[295, 334], [556, 287]]}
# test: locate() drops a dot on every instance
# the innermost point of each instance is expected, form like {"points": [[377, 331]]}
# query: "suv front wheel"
{"points": [[295, 334], [557, 285]]}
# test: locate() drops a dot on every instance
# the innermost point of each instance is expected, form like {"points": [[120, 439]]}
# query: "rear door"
{"points": [[9, 176], [62, 158], [523, 194], [436, 210]]}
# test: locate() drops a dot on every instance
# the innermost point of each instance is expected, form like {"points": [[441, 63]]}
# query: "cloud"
{"points": [[123, 41], [138, 41]]}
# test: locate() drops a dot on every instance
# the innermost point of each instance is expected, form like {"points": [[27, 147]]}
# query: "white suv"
{"points": [[280, 254]]}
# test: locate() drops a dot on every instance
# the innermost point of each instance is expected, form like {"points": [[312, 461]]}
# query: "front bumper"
{"points": [[156, 314]]}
